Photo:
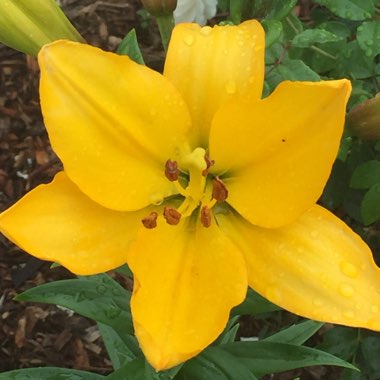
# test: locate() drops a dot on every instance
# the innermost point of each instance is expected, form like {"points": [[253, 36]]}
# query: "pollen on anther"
{"points": [[172, 216], [205, 216], [171, 170], [150, 221], [209, 163], [219, 190]]}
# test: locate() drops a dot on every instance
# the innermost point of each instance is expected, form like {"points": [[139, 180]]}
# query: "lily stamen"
{"points": [[150, 221], [172, 216], [171, 170], [219, 190], [206, 216]]}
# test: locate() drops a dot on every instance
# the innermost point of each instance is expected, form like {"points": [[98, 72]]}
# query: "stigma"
{"points": [[197, 189]]}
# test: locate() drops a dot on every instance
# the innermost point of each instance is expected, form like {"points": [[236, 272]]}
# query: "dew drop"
{"points": [[153, 112], [314, 234], [369, 52], [189, 40], [101, 289], [348, 269], [230, 87], [240, 43], [346, 290], [348, 314], [317, 302], [374, 309], [206, 30], [274, 294]]}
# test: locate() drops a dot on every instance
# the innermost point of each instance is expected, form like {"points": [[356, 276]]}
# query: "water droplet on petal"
{"points": [[274, 294], [314, 234], [348, 314], [375, 309], [206, 30], [317, 302], [346, 290], [189, 40], [348, 269], [231, 87]]}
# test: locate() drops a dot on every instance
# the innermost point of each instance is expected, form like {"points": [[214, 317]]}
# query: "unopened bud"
{"points": [[159, 7], [364, 119], [27, 25]]}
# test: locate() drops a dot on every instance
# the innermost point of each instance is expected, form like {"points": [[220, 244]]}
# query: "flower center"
{"points": [[198, 191]]}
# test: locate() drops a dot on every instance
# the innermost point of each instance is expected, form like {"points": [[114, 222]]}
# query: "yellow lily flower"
{"points": [[198, 184]]}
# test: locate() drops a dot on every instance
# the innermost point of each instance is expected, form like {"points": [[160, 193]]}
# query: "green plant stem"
{"points": [[319, 50], [165, 26]]}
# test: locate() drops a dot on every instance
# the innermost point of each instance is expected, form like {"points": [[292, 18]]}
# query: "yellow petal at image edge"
{"points": [[112, 122], [210, 65], [57, 222], [316, 267], [186, 282], [278, 152]]}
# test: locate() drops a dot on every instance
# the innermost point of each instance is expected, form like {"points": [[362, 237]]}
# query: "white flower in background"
{"points": [[198, 11]]}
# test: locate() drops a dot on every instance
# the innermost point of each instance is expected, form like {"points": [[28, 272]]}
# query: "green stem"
{"points": [[165, 26], [320, 51]]}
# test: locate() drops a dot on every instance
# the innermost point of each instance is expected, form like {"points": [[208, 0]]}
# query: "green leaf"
{"points": [[49, 373], [371, 205], [366, 175], [281, 9], [254, 304], [215, 364], [296, 334], [290, 69], [370, 349], [129, 46], [118, 351], [368, 37], [336, 187], [273, 31], [350, 9], [353, 63], [230, 331], [137, 369], [310, 37], [270, 357], [97, 297], [341, 341]]}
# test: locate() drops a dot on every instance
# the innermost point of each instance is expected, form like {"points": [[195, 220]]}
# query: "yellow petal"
{"points": [[210, 65], [278, 152], [113, 123], [186, 282], [57, 222], [316, 267]]}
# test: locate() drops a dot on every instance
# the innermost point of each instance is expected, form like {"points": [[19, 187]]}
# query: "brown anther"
{"points": [[172, 216], [209, 163], [171, 170], [219, 190], [205, 216], [150, 221]]}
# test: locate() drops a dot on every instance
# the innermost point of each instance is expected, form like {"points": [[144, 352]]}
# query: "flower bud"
{"points": [[159, 7], [364, 119], [27, 25]]}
